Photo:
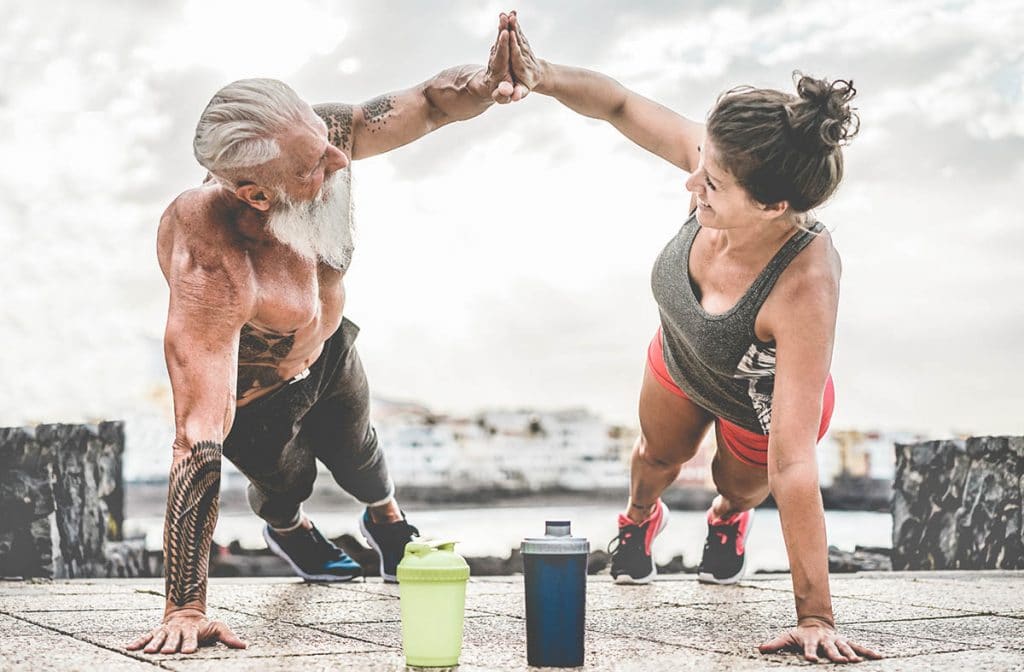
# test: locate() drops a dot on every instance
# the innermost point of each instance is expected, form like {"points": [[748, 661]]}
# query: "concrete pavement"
{"points": [[922, 621]]}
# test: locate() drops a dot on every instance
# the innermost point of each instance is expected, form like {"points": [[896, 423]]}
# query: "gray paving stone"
{"points": [[982, 632], [968, 661], [968, 592], [57, 652], [266, 639], [674, 624], [45, 601], [131, 623], [735, 631], [16, 627]]}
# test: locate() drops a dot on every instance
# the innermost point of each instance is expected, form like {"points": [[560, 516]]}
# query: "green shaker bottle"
{"points": [[432, 591]]}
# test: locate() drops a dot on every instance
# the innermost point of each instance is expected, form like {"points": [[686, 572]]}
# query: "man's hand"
{"points": [[526, 69], [185, 630], [812, 635], [498, 77]]}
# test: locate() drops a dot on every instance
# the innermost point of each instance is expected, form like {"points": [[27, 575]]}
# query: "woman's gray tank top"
{"points": [[717, 360]]}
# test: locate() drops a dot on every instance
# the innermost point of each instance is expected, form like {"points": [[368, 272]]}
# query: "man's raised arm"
{"points": [[398, 118], [210, 299]]}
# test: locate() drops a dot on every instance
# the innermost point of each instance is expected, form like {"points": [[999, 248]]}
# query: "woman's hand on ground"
{"points": [[185, 631], [810, 637]]}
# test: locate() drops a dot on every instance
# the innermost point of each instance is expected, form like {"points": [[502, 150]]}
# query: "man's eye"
{"points": [[708, 182]]}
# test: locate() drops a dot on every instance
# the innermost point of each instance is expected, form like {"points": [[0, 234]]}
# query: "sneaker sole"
{"points": [[627, 580], [738, 576], [388, 578], [314, 578]]}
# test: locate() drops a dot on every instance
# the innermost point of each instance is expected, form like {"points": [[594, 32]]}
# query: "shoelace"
{"points": [[623, 538]]}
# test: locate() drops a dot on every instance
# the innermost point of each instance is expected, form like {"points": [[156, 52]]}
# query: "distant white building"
{"points": [[513, 449]]}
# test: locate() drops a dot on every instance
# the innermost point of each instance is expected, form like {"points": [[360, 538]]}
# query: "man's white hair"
{"points": [[238, 127]]}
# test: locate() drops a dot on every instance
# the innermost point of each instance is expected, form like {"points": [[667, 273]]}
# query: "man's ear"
{"points": [[254, 195]]}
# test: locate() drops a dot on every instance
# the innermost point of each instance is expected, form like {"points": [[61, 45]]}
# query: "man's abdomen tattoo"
{"points": [[259, 353], [193, 499]]}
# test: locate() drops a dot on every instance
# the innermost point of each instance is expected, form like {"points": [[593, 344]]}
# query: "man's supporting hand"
{"points": [[185, 630], [193, 498]]}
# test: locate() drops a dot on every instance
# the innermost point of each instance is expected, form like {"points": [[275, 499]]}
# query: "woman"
{"points": [[747, 292]]}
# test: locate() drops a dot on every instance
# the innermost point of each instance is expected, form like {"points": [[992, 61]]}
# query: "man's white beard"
{"points": [[321, 228]]}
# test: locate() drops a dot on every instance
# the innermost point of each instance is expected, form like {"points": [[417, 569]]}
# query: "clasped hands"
{"points": [[512, 69]]}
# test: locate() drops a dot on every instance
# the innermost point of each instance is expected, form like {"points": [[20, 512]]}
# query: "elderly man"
{"points": [[262, 364]]}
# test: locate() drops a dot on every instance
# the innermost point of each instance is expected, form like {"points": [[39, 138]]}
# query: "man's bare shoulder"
{"points": [[200, 224], [202, 254]]}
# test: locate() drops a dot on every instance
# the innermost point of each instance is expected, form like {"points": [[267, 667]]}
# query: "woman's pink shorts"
{"points": [[748, 447]]}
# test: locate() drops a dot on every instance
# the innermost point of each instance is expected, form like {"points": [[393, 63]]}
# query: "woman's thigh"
{"points": [[735, 478], [671, 426]]}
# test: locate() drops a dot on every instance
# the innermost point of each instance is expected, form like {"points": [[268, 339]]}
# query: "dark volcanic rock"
{"points": [[62, 497], [957, 504]]}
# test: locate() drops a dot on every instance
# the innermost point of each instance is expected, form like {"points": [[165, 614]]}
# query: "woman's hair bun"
{"points": [[821, 118]]}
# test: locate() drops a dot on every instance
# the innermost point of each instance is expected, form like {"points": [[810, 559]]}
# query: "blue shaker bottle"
{"points": [[555, 574]]}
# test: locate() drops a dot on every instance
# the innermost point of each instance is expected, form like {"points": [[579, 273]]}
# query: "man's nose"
{"points": [[336, 159]]}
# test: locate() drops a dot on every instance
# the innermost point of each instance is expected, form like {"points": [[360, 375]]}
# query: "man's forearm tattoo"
{"points": [[376, 112], [339, 124], [192, 501], [259, 353]]}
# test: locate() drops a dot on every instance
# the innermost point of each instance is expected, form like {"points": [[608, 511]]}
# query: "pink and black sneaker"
{"points": [[631, 558], [725, 557]]}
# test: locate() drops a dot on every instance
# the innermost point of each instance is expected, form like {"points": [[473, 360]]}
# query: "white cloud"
{"points": [[259, 37]]}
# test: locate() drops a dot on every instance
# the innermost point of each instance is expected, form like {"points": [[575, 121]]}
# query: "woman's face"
{"points": [[721, 202]]}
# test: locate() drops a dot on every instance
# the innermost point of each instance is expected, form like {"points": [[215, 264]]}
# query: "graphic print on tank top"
{"points": [[757, 367]]}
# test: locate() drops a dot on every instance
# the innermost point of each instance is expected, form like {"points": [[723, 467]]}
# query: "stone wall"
{"points": [[62, 503], [957, 504]]}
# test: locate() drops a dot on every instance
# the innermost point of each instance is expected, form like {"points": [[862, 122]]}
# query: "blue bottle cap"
{"points": [[557, 540]]}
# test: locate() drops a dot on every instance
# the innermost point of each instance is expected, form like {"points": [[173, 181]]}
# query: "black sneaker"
{"points": [[312, 556], [725, 557], [389, 540], [631, 558]]}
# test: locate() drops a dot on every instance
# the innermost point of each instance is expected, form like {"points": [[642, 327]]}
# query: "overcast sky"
{"points": [[505, 261]]}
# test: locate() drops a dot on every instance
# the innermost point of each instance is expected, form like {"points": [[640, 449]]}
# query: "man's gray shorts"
{"points": [[276, 440]]}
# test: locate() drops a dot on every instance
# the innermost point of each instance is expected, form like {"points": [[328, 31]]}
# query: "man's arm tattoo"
{"points": [[192, 503], [376, 112], [338, 118]]}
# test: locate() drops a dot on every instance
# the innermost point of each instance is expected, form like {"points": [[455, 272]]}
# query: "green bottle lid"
{"points": [[432, 561]]}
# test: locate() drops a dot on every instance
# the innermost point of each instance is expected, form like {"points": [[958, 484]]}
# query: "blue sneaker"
{"points": [[312, 556], [389, 540]]}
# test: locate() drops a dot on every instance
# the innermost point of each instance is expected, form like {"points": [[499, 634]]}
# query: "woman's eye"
{"points": [[708, 182]]}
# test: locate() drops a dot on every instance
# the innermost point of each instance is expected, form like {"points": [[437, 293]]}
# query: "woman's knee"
{"points": [[661, 455], [743, 490]]}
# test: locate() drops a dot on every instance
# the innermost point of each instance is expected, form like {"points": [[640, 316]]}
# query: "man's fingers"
{"points": [[776, 644], [866, 652], [139, 642], [172, 642], [811, 650], [225, 635], [832, 651], [502, 22], [157, 641], [845, 649], [190, 643]]}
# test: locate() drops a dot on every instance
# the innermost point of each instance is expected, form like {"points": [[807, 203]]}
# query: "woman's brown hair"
{"points": [[782, 147]]}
